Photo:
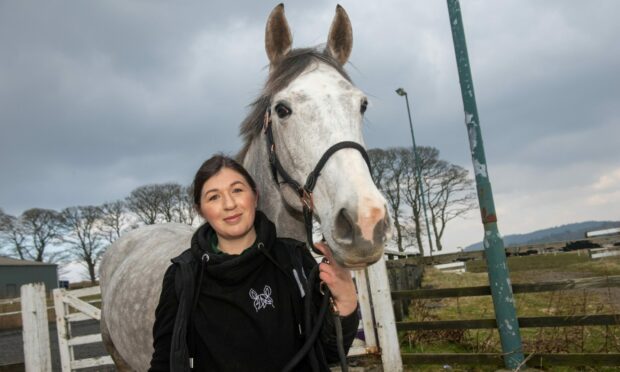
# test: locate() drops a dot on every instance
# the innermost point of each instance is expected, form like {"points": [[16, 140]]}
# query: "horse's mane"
{"points": [[282, 74]]}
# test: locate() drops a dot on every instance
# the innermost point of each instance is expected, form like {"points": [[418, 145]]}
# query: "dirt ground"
{"points": [[11, 346]]}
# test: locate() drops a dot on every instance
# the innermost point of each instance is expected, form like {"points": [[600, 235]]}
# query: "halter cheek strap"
{"points": [[305, 191]]}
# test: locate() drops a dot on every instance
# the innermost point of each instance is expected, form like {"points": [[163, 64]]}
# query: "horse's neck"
{"points": [[288, 223]]}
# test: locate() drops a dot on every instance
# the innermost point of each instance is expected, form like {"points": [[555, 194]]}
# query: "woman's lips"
{"points": [[233, 218]]}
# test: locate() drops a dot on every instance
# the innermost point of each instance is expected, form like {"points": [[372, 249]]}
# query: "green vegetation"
{"points": [[575, 262], [525, 269]]}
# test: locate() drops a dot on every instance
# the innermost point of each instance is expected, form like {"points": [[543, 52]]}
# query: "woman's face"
{"points": [[228, 203]]}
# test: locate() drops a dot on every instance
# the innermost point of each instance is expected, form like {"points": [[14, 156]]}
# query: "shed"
{"points": [[15, 273]]}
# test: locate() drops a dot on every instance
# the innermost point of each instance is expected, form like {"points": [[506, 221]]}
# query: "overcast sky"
{"points": [[97, 98]]}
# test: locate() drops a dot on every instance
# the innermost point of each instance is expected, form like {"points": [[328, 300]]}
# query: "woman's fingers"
{"points": [[327, 252], [338, 279]]}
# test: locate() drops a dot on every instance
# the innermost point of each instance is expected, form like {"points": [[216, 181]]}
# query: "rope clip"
{"points": [[307, 199]]}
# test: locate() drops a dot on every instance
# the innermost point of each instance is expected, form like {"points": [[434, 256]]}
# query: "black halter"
{"points": [[305, 191]]}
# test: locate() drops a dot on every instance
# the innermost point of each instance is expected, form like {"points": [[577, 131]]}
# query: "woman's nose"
{"points": [[229, 202]]}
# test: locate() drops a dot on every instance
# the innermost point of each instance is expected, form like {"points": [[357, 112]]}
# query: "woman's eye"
{"points": [[238, 190], [283, 111], [364, 106], [212, 197]]}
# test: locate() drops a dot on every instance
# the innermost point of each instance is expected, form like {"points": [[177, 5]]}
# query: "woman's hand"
{"points": [[339, 281]]}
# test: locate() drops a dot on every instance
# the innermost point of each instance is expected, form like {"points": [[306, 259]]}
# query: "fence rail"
{"points": [[583, 283], [542, 360], [596, 253], [65, 302], [524, 322], [532, 360]]}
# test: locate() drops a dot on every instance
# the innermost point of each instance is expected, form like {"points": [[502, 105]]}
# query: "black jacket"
{"points": [[249, 312]]}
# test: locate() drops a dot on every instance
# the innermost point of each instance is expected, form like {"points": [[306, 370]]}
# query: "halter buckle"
{"points": [[307, 199]]}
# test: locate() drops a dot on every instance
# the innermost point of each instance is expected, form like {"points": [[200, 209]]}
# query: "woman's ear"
{"points": [[256, 201], [198, 211]]}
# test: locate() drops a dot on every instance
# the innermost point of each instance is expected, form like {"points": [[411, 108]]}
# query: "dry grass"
{"points": [[528, 269]]}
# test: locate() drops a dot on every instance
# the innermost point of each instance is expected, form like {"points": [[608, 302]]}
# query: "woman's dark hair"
{"points": [[213, 165]]}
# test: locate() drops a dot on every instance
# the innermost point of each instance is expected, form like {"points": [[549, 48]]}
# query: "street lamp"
{"points": [[418, 166]]}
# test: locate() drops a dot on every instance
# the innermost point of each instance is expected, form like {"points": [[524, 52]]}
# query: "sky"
{"points": [[98, 98]]}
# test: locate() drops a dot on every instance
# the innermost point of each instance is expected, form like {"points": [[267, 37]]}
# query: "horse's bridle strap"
{"points": [[304, 192], [276, 166]]}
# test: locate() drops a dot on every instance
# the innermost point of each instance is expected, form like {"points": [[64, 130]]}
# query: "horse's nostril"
{"points": [[343, 228], [382, 230]]}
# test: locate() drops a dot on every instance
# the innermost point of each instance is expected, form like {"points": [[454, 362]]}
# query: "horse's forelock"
{"points": [[281, 75]]}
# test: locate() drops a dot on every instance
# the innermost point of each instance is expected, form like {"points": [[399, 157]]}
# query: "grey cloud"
{"points": [[99, 97]]}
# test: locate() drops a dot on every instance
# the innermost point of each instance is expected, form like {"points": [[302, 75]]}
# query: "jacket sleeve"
{"points": [[327, 336], [165, 314]]}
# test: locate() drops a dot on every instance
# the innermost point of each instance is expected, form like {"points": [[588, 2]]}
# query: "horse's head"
{"points": [[314, 105]]}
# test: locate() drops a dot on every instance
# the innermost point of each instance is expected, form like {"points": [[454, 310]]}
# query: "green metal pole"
{"points": [[499, 279]]}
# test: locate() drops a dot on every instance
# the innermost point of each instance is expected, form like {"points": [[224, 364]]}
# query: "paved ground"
{"points": [[11, 346]]}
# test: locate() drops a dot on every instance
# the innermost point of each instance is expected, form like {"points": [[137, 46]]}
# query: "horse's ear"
{"points": [[340, 40], [278, 38]]}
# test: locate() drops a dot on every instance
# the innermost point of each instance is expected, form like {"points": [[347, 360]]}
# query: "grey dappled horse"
{"points": [[313, 105]]}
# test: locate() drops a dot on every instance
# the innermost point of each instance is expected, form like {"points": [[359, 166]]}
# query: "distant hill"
{"points": [[573, 231]]}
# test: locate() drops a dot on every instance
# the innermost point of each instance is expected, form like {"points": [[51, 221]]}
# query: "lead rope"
{"points": [[305, 194], [192, 332], [311, 332]]}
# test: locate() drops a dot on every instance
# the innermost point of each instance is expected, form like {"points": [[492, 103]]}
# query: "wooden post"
{"points": [[384, 317], [365, 309], [37, 354], [63, 331]]}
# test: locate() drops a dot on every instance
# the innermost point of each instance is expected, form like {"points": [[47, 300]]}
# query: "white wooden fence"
{"points": [[64, 301], [377, 313], [37, 354], [596, 253], [452, 267]]}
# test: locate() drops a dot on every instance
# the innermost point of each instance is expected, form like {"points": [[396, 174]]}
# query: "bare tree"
{"points": [[171, 195], [166, 202], [448, 191], [388, 174], [450, 194], [185, 211], [412, 190], [12, 236], [84, 236], [145, 202], [113, 220], [42, 229]]}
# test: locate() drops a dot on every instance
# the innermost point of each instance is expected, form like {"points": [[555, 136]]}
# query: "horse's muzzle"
{"points": [[361, 236]]}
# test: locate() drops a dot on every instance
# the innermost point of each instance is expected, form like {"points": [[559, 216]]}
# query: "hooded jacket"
{"points": [[240, 312]]}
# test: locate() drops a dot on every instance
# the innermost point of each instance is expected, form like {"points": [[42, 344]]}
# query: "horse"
{"points": [[309, 104]]}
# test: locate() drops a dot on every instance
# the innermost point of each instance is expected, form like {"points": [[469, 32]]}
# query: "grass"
{"points": [[524, 269]]}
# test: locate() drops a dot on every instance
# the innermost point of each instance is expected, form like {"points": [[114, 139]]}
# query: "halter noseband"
{"points": [[305, 191]]}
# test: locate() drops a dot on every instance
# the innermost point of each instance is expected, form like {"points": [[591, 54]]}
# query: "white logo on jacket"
{"points": [[262, 300]]}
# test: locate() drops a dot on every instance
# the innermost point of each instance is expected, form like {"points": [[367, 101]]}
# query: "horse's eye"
{"points": [[283, 111], [364, 106]]}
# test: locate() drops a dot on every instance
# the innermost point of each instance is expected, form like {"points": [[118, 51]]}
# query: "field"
{"points": [[525, 269]]}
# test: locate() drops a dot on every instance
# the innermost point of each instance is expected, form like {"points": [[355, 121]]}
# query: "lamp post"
{"points": [[418, 166]]}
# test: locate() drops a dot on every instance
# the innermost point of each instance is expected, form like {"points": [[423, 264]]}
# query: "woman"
{"points": [[234, 301]]}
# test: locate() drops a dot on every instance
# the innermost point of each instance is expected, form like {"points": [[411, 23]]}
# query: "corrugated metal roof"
{"points": [[7, 261]]}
